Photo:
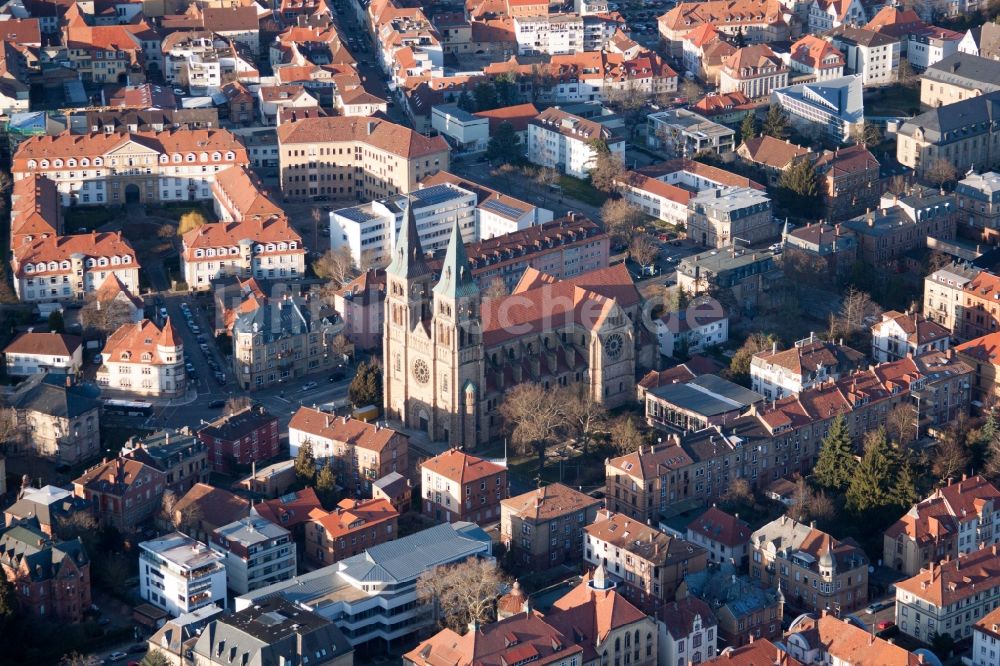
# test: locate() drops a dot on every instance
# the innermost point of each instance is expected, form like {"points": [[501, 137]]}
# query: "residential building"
{"points": [[180, 575], [902, 224], [720, 217], [469, 132], [982, 41], [351, 528], [45, 508], [758, 652], [754, 71], [978, 306], [725, 537], [67, 268], [181, 457], [294, 511], [461, 487], [961, 517], [544, 528], [692, 330], [944, 295], [792, 556], [907, 334], [114, 295], [271, 481], [359, 452], [56, 419], [774, 156], [746, 612], [828, 14], [693, 405], [144, 359], [817, 58], [204, 509], [318, 157], [682, 133], [930, 45], [372, 596], [819, 248], [272, 100], [287, 336], [565, 142], [687, 631], [949, 597], [176, 638], [942, 392], [257, 553], [748, 274], [116, 168], [262, 248], [729, 109], [50, 579], [829, 639], [649, 564], [123, 493], [849, 181], [957, 77], [370, 229], [833, 106], [395, 489], [961, 134], [985, 636], [978, 199], [361, 304], [756, 20], [704, 52], [241, 438], [872, 55], [39, 353], [983, 354], [269, 632]]}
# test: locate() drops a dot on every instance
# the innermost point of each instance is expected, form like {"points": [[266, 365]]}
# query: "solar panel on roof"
{"points": [[435, 194], [503, 209]]}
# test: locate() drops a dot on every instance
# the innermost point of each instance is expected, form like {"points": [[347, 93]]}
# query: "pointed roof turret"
{"points": [[456, 274], [407, 254]]}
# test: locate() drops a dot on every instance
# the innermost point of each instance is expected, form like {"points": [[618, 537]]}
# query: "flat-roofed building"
{"points": [[682, 133], [704, 401], [724, 216], [257, 553], [179, 574]]}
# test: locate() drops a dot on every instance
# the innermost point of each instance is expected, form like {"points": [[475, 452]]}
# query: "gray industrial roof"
{"points": [[708, 395]]}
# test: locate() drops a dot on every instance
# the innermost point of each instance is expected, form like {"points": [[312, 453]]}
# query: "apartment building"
{"points": [[244, 437], [951, 596], [116, 168], [38, 353], [144, 359], [979, 306], [181, 457], [849, 181], [942, 392], [747, 274], [907, 334], [871, 54], [806, 364], [372, 596], [204, 509], [725, 537], [257, 553], [957, 77], [459, 487], [50, 579], [356, 159], [746, 612], [361, 304], [123, 493], [360, 452], [45, 508], [683, 134], [944, 295], [288, 336], [369, 230], [983, 354], [259, 247], [812, 569], [978, 199], [961, 134], [753, 70], [238, 194], [828, 14], [55, 419], [930, 45], [67, 268], [829, 639], [985, 637], [961, 517], [902, 224], [565, 142], [180, 575], [758, 21], [698, 327], [774, 156], [720, 217], [351, 528], [829, 249], [649, 564], [544, 527], [816, 57]]}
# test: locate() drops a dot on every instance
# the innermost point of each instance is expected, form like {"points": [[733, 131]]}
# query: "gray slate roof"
{"points": [[967, 71], [956, 121], [48, 394]]}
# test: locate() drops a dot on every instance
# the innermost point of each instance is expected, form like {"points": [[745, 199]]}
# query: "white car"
{"points": [[309, 386], [116, 656]]}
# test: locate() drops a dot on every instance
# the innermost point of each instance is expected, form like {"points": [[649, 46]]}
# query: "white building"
{"points": [[986, 640], [828, 14], [930, 45], [257, 553], [557, 34], [834, 106], [900, 334], [871, 54], [469, 133], [497, 214], [180, 574], [203, 63], [263, 248], [271, 99], [944, 290], [369, 230], [683, 133], [144, 360], [686, 628], [564, 142], [810, 362], [373, 595], [37, 353], [693, 329]]}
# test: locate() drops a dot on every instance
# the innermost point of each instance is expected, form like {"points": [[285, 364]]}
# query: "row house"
{"points": [[351, 528], [753, 70], [940, 386], [725, 537], [241, 438], [109, 53], [360, 452], [144, 359], [49, 579], [808, 363], [544, 528], [361, 303], [649, 564], [961, 517], [142, 167], [900, 334], [944, 295], [123, 493], [459, 487], [929, 45], [67, 268], [181, 457], [812, 569], [985, 637], [555, 34]]}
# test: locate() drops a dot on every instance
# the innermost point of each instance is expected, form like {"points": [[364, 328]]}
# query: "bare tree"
{"points": [[626, 435], [952, 455], [545, 178], [900, 424], [739, 491], [370, 260], [621, 219], [866, 134], [104, 317], [605, 171], [495, 289], [801, 501], [940, 172], [462, 593], [336, 265], [76, 659], [855, 308], [342, 346], [691, 90], [583, 414], [9, 432], [534, 417], [168, 505], [643, 249]]}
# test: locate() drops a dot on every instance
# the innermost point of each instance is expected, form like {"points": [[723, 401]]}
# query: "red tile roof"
{"points": [[62, 248], [353, 515], [45, 344], [590, 615], [461, 467], [132, 341], [381, 134], [369, 436], [552, 501], [717, 525], [292, 509]]}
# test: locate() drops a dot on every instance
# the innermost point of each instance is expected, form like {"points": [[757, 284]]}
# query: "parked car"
{"points": [[217, 404], [116, 656], [309, 386], [98, 359], [220, 377], [885, 624]]}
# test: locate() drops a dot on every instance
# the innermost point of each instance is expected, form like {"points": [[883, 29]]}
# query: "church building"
{"points": [[450, 354]]}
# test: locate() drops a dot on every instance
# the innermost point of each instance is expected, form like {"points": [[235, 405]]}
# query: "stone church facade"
{"points": [[450, 355]]}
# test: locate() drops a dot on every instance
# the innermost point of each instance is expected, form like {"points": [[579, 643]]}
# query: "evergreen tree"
{"points": [[366, 387], [486, 96], [326, 485], [748, 129], [776, 123], [835, 464], [56, 323], [305, 464], [8, 600], [504, 146], [871, 483], [904, 490], [798, 188], [465, 102]]}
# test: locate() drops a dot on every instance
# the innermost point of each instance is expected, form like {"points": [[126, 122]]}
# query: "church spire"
{"points": [[407, 255], [456, 275]]}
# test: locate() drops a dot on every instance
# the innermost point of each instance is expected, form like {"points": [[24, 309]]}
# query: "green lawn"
{"points": [[581, 190], [86, 218]]}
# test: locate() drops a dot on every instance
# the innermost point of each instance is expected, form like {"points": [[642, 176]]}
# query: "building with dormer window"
{"points": [[144, 359]]}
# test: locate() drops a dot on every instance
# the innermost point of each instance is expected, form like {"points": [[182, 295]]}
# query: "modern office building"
{"points": [[179, 574]]}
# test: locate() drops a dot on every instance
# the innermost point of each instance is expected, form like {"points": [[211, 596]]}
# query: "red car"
{"points": [[885, 624]]}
